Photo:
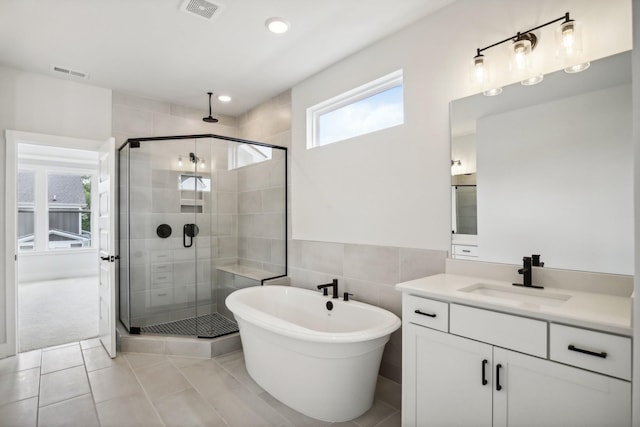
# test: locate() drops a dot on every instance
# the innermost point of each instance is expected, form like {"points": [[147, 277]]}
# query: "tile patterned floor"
{"points": [[79, 385]]}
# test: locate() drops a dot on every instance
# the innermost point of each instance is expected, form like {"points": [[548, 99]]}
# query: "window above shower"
{"points": [[247, 154]]}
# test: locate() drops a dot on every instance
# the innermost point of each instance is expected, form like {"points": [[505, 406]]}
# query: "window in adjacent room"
{"points": [[69, 206], [369, 108]]}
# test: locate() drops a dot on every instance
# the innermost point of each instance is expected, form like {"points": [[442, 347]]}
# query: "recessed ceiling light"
{"points": [[224, 98], [277, 25]]}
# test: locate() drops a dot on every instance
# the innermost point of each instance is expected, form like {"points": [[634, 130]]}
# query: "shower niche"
{"points": [[200, 216]]}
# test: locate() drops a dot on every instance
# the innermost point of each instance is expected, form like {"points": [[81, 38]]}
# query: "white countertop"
{"points": [[601, 312]]}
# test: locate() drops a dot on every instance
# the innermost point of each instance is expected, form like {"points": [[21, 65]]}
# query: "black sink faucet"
{"points": [[527, 273], [535, 261], [333, 284]]}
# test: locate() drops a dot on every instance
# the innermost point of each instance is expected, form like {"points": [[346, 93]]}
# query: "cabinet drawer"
{"points": [[504, 330], [465, 250], [595, 351], [425, 312]]}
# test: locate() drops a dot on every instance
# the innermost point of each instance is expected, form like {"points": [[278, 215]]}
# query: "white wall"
{"points": [[392, 187], [570, 201], [57, 265], [42, 104]]}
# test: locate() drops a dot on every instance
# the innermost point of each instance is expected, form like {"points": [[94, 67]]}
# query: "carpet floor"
{"points": [[57, 312]]}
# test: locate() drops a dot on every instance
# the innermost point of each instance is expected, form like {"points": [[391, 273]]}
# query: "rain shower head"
{"points": [[210, 119]]}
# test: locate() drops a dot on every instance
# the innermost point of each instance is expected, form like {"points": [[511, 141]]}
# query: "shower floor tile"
{"points": [[209, 325]]}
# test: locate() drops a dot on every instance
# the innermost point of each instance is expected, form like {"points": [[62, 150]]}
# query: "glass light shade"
{"points": [[569, 46], [533, 80], [480, 70], [493, 92], [577, 68], [521, 59], [482, 77]]}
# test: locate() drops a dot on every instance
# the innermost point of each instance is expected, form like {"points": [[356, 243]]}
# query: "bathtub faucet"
{"points": [[333, 284]]}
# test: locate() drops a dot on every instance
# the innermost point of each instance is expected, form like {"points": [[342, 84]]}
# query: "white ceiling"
{"points": [[151, 48]]}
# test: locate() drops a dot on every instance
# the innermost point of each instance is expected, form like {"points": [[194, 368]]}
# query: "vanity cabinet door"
{"points": [[544, 393], [443, 380]]}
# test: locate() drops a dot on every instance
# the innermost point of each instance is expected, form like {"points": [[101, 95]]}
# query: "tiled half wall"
{"points": [[370, 274]]}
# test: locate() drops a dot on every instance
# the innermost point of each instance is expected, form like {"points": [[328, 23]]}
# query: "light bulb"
{"points": [[481, 75], [568, 36], [479, 68], [521, 54], [180, 161], [569, 42]]}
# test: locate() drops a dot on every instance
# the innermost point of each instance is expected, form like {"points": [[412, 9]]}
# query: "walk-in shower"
{"points": [[200, 216]]}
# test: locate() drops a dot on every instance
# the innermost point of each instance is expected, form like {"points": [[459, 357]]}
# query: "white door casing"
{"points": [[9, 301], [9, 294], [107, 247]]}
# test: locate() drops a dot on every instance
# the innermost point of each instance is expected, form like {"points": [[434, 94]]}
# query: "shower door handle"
{"points": [[190, 231]]}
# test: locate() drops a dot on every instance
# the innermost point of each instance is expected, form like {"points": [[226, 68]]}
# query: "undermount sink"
{"points": [[523, 295]]}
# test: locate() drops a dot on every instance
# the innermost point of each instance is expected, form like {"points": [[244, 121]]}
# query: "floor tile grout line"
{"points": [[224, 420], [394, 410], [86, 374], [144, 391], [283, 416], [39, 384]]}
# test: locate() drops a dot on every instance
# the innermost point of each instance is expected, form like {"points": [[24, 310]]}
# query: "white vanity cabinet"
{"points": [[459, 369]]}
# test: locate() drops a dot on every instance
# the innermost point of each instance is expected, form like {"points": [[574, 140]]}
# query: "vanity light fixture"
{"points": [[277, 25], [522, 64], [179, 161]]}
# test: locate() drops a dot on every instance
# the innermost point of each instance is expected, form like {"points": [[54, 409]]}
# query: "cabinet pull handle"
{"points": [[484, 373], [602, 354], [424, 314], [498, 386], [466, 251]]}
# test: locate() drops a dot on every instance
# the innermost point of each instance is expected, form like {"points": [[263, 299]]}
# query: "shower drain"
{"points": [[209, 325]]}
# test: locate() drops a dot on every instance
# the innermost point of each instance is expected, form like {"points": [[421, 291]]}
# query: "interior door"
{"points": [[107, 247]]}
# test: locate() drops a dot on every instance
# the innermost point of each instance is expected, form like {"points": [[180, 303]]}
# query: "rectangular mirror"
{"points": [[553, 165]]}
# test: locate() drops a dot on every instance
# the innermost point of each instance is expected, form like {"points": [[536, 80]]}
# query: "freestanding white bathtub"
{"points": [[322, 363]]}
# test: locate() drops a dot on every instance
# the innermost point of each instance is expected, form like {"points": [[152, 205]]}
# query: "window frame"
{"points": [[375, 87], [41, 206], [234, 155]]}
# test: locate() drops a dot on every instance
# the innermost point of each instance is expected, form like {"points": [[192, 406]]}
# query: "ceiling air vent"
{"points": [[202, 8], [70, 72]]}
